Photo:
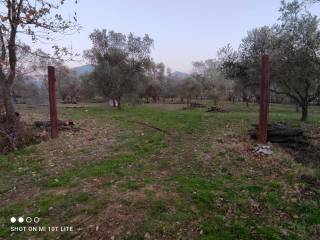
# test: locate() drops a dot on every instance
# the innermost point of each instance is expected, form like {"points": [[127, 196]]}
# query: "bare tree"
{"points": [[39, 19]]}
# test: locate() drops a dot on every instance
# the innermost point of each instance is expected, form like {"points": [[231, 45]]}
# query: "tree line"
{"points": [[123, 69], [293, 45], [123, 65]]}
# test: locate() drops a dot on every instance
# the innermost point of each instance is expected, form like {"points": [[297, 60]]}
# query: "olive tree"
{"points": [[294, 47], [68, 84], [189, 88], [120, 61], [243, 66], [209, 75], [296, 67]]}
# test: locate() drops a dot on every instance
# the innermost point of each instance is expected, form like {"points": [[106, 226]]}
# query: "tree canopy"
{"points": [[120, 61]]}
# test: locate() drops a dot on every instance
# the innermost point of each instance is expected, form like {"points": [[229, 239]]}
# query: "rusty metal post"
{"points": [[264, 99], [52, 102]]}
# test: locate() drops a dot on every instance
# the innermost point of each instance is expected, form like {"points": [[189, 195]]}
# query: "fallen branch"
{"points": [[150, 126]]}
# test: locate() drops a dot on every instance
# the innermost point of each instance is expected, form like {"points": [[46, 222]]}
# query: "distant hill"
{"points": [[180, 75], [85, 69]]}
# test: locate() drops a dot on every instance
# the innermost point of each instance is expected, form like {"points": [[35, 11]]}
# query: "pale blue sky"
{"points": [[183, 30]]}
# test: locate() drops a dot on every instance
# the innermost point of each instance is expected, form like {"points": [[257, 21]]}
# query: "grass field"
{"points": [[194, 177]]}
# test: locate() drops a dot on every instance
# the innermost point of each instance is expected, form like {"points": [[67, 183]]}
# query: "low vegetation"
{"points": [[197, 178]]}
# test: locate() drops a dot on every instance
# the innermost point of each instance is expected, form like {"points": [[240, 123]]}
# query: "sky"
{"points": [[183, 30]]}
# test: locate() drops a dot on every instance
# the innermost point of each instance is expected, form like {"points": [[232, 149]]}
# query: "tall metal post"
{"points": [[52, 102], [264, 99]]}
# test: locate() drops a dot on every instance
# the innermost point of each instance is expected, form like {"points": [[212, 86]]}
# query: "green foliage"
{"points": [[120, 62], [293, 45]]}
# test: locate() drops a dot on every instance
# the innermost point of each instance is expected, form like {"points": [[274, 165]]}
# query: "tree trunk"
{"points": [[8, 81], [8, 104], [119, 102], [114, 103], [245, 98], [304, 111], [188, 101], [215, 102]]}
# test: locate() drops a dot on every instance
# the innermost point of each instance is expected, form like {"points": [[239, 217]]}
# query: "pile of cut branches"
{"points": [[304, 148], [16, 136], [62, 125], [216, 109]]}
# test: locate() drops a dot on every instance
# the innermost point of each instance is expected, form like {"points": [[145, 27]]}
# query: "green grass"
{"points": [[101, 169], [188, 181], [51, 210]]}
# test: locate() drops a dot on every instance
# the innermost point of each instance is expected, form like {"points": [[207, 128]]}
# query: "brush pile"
{"points": [[216, 109], [62, 125], [304, 148], [16, 136], [282, 134]]}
